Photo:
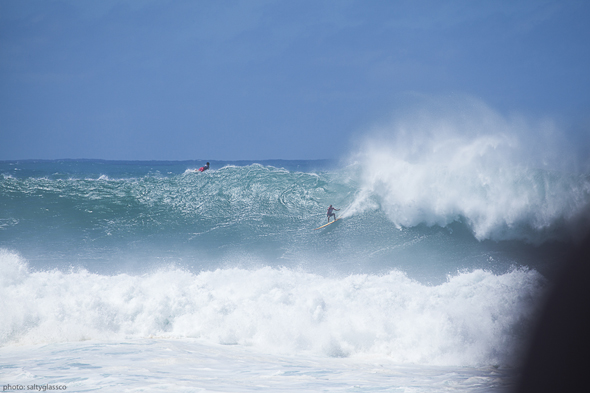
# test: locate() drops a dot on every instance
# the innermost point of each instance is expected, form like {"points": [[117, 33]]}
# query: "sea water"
{"points": [[150, 276]]}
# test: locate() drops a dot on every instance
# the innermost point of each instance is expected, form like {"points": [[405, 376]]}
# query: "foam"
{"points": [[506, 177], [474, 318]]}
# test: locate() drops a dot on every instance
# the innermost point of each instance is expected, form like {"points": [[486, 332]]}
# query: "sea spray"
{"points": [[504, 177]]}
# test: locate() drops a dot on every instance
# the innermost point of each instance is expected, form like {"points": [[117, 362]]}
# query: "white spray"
{"points": [[507, 178]]}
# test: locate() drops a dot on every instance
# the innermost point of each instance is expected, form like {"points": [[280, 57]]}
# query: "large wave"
{"points": [[475, 318], [507, 178], [498, 176], [256, 215]]}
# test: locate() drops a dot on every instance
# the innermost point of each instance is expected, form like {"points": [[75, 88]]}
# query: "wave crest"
{"points": [[507, 179]]}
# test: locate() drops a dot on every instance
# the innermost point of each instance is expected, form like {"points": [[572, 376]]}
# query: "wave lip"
{"points": [[504, 178]]}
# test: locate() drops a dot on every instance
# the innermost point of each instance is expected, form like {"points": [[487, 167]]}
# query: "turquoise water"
{"points": [[428, 267], [111, 217]]}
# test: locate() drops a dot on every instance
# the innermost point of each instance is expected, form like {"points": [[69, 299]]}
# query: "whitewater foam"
{"points": [[505, 178], [474, 318]]}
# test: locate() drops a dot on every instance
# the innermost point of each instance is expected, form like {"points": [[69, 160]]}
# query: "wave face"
{"points": [[256, 210]]}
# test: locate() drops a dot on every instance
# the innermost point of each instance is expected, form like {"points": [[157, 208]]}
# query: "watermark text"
{"points": [[37, 388]]}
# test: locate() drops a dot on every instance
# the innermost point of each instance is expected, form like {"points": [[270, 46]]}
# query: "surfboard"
{"points": [[325, 225]]}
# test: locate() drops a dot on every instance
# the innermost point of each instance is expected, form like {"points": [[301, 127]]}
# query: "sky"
{"points": [[248, 80]]}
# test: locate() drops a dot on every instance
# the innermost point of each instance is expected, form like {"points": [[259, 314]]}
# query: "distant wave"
{"points": [[475, 318]]}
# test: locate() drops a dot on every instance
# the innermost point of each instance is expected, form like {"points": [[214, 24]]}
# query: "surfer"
{"points": [[204, 168], [331, 213]]}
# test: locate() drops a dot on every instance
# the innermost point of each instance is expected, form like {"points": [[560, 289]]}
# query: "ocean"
{"points": [[149, 276]]}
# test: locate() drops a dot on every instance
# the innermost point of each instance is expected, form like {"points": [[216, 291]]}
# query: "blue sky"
{"points": [[231, 80]]}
